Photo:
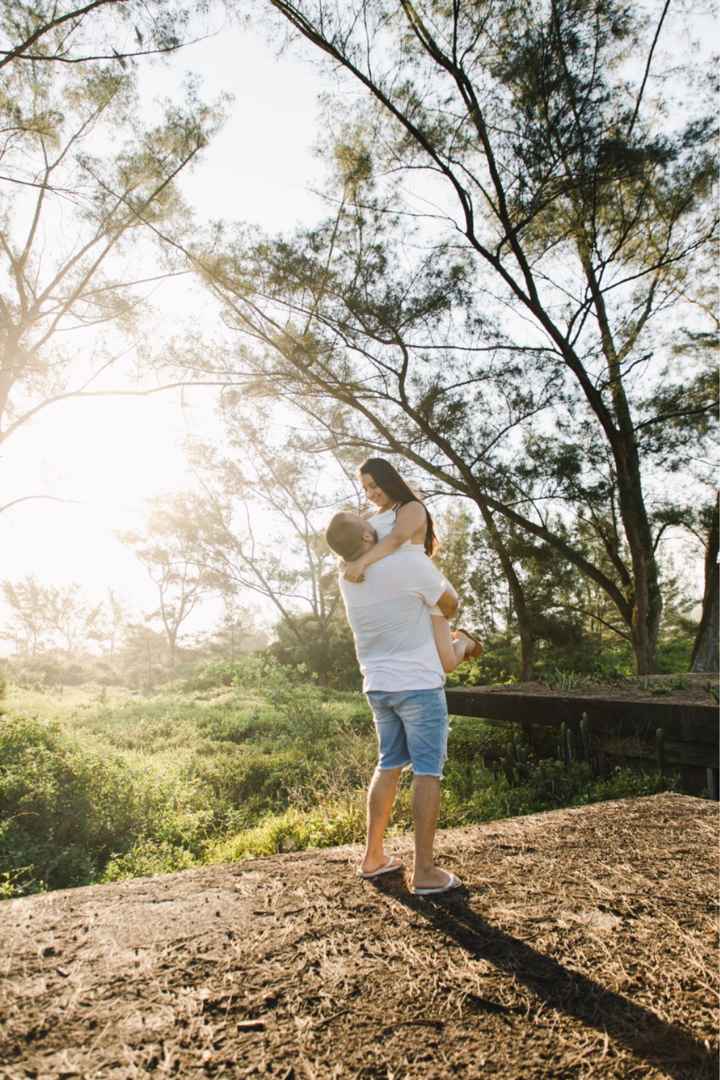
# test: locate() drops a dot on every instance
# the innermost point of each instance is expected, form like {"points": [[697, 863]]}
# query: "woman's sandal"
{"points": [[477, 648]]}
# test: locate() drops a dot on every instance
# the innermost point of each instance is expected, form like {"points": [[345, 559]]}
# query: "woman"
{"points": [[401, 518]]}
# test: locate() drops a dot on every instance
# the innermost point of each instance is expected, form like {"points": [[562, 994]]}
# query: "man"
{"points": [[389, 613]]}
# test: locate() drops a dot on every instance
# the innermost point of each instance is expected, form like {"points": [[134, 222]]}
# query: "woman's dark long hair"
{"points": [[389, 480]]}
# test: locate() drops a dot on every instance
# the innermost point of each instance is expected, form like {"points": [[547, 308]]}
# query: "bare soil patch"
{"points": [[584, 945]]}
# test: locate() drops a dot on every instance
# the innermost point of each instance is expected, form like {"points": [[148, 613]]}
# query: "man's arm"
{"points": [[433, 586]]}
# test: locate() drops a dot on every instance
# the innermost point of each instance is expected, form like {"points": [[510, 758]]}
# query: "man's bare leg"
{"points": [[426, 806], [380, 799]]}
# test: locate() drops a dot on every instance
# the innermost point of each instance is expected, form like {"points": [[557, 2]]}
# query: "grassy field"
{"points": [[100, 784]]}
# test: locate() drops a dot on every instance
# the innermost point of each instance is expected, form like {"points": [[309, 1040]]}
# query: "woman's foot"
{"points": [[473, 645]]}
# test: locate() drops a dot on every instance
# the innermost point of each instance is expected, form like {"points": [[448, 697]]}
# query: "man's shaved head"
{"points": [[346, 534]]}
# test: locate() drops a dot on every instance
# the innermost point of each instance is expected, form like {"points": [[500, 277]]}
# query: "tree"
{"points": [[73, 619], [565, 225], [119, 30], [83, 182], [144, 655], [28, 625], [262, 519], [327, 650], [235, 634], [705, 649], [112, 623], [47, 616], [167, 551], [468, 558]]}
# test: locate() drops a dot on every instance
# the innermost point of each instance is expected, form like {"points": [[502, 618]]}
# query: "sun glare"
{"points": [[104, 461]]}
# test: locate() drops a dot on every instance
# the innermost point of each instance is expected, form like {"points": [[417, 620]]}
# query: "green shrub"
{"points": [[63, 811], [255, 671], [474, 795], [325, 649], [498, 664], [674, 653], [470, 738], [326, 825], [147, 858], [249, 781], [153, 786]]}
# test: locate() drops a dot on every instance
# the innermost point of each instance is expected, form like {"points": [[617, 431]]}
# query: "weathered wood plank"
{"points": [[702, 755], [681, 722]]}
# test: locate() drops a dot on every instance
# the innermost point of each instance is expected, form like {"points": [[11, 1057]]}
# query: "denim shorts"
{"points": [[412, 729]]}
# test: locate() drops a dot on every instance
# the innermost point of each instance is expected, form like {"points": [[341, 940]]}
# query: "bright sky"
{"points": [[110, 455]]}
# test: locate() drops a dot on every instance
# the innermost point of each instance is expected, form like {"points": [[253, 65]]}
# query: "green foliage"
{"points": [[498, 664], [215, 673], [248, 783], [254, 671], [473, 794], [49, 669], [62, 810], [674, 652], [146, 858], [126, 786], [326, 649], [566, 680], [327, 825], [465, 349]]}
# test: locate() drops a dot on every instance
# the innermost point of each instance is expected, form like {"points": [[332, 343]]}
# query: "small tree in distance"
{"points": [[169, 553], [49, 616]]}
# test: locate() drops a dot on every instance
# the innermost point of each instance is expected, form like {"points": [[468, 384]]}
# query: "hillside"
{"points": [[583, 946]]}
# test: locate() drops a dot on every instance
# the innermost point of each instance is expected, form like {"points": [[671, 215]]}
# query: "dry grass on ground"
{"points": [[585, 945]]}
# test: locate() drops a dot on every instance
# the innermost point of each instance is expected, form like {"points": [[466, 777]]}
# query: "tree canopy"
{"points": [[505, 288]]}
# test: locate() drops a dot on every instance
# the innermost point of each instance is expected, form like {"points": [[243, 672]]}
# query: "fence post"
{"points": [[585, 736], [660, 748], [571, 745], [563, 743]]}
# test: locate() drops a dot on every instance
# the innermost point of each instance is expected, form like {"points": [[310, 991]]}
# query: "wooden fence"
{"points": [[679, 736]]}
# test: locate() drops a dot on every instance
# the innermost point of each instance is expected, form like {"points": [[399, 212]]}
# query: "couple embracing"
{"points": [[398, 605]]}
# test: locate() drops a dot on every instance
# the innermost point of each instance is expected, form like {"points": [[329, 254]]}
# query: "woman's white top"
{"points": [[383, 523]]}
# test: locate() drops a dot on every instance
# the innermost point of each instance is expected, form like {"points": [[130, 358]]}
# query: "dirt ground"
{"points": [[584, 945]]}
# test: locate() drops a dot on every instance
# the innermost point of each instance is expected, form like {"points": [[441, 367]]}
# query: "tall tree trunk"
{"points": [[524, 619], [527, 651], [149, 681], [705, 649], [647, 597], [620, 432]]}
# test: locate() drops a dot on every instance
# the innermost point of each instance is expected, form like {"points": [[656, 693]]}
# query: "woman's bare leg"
{"points": [[451, 650]]}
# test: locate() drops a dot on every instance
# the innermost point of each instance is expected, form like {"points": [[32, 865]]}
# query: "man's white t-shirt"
{"points": [[389, 613]]}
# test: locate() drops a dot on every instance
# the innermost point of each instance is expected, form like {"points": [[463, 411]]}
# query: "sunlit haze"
{"points": [[107, 457]]}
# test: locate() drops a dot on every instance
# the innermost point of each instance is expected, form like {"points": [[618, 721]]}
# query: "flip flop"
{"points": [[434, 890], [477, 649], [389, 867]]}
